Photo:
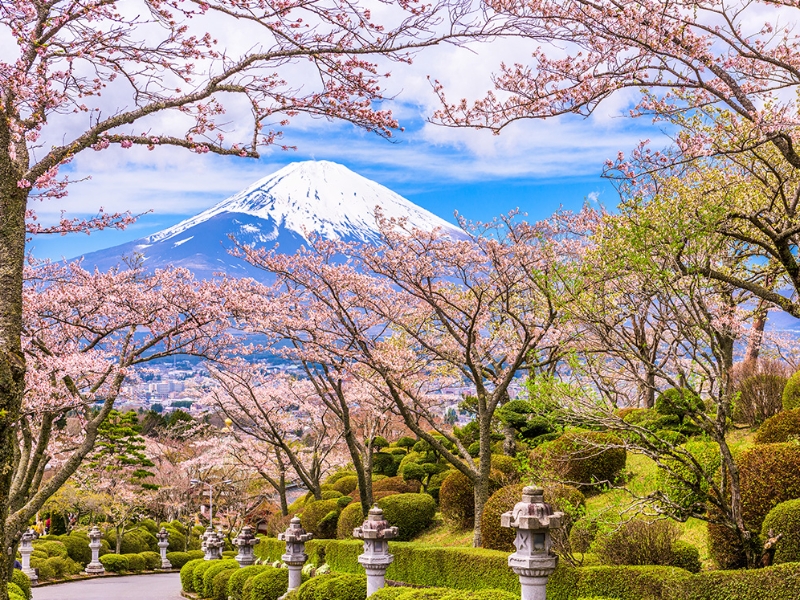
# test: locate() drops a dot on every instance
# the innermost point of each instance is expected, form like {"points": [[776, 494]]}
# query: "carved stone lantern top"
{"points": [[532, 513], [246, 537], [28, 537], [375, 527], [95, 533], [163, 535], [295, 533]]}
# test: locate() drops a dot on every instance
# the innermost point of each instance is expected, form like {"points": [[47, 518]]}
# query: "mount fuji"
{"points": [[318, 197]]}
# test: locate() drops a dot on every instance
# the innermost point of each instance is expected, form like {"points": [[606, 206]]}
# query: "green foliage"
{"points": [[639, 542], [315, 518], [136, 562], [178, 559], [241, 576], [681, 484], [406, 442], [791, 393], [331, 494], [199, 571], [217, 566], [339, 475], [114, 563], [679, 402], [341, 587], [14, 589], [583, 533], [219, 586], [187, 574], [396, 485], [77, 545], [19, 578], [119, 446], [780, 582], [411, 513], [388, 593], [582, 458], [785, 519], [133, 542], [149, 524], [345, 485], [177, 540], [758, 396], [152, 560], [308, 591], [52, 548], [770, 474], [686, 556], [351, 517], [457, 500], [783, 427]]}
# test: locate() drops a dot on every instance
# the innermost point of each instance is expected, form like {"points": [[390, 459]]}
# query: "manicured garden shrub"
{"points": [[582, 458], [582, 535], [725, 548], [339, 587], [480, 595], [53, 548], [178, 559], [14, 589], [785, 519], [77, 545], [152, 560], [331, 494], [314, 519], [114, 563], [507, 465], [177, 526], [177, 540], [308, 591], [198, 572], [457, 500], [780, 582], [791, 393], [133, 542], [678, 402], [759, 391], [345, 485], [783, 427], [427, 594], [672, 481], [219, 587], [388, 593], [397, 485], [351, 517], [135, 562], [217, 566], [339, 475], [20, 579], [686, 556], [240, 576], [411, 513], [150, 525], [639, 542]]}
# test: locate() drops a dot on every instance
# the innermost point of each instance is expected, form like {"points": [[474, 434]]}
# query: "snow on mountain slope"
{"points": [[283, 208]]}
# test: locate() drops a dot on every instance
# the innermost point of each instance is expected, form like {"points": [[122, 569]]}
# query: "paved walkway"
{"points": [[164, 586]]}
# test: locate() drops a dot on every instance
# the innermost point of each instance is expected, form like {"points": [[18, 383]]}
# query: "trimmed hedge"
{"points": [[136, 562], [783, 427], [217, 566], [19, 578], [187, 572], [457, 498], [582, 458], [308, 591], [219, 586], [152, 560], [320, 518], [114, 563], [338, 587], [351, 517], [411, 513], [785, 519], [671, 482], [241, 576], [791, 393]]}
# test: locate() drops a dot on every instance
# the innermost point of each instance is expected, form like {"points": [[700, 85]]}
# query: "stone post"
{"points": [[376, 533], [246, 541], [25, 550], [95, 567], [534, 561], [295, 557], [212, 544], [163, 544]]}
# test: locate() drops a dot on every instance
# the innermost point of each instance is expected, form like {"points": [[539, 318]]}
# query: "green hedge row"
{"points": [[478, 569]]}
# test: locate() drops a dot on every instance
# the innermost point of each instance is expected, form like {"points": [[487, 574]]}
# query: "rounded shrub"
{"points": [[582, 535], [150, 525], [582, 458], [269, 585], [759, 394], [314, 518], [152, 560], [198, 572], [397, 485], [341, 587], [339, 475], [135, 562], [14, 589], [783, 427], [346, 485], [388, 593], [308, 591], [791, 393], [177, 540], [457, 500], [240, 577], [507, 465], [682, 484], [133, 542], [427, 594], [53, 548], [686, 556], [77, 546], [351, 517], [411, 513], [678, 402], [187, 574], [331, 494], [639, 542], [480, 595], [178, 526], [23, 581], [178, 559], [114, 563], [219, 587], [785, 519], [217, 566]]}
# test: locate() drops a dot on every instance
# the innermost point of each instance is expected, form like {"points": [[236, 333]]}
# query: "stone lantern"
{"points": [[25, 550], [534, 561], [163, 544], [295, 557], [376, 533], [212, 544], [246, 541], [95, 567]]}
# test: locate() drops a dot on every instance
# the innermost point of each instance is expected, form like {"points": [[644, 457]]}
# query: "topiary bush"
{"points": [[758, 391], [341, 587], [457, 500], [187, 574], [23, 581], [351, 517], [686, 556], [683, 485], [270, 584], [582, 458], [678, 402], [639, 542], [133, 542], [177, 540], [783, 427], [198, 572], [152, 560], [785, 519], [52, 548], [411, 513], [791, 393], [397, 485], [178, 559], [314, 519], [219, 587], [308, 591], [346, 485], [217, 567], [240, 576], [507, 465], [77, 545], [135, 562], [388, 593], [114, 563]]}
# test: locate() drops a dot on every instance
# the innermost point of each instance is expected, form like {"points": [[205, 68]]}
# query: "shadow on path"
{"points": [[166, 586]]}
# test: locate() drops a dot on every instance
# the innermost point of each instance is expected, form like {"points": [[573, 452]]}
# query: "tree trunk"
{"points": [[120, 529], [484, 468], [648, 396], [282, 494], [13, 201], [510, 442]]}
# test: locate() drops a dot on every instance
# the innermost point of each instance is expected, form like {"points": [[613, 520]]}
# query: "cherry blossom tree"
{"points": [[421, 308], [95, 74], [722, 76], [84, 333]]}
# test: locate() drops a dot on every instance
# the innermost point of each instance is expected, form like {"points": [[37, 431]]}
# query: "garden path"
{"points": [[164, 586]]}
